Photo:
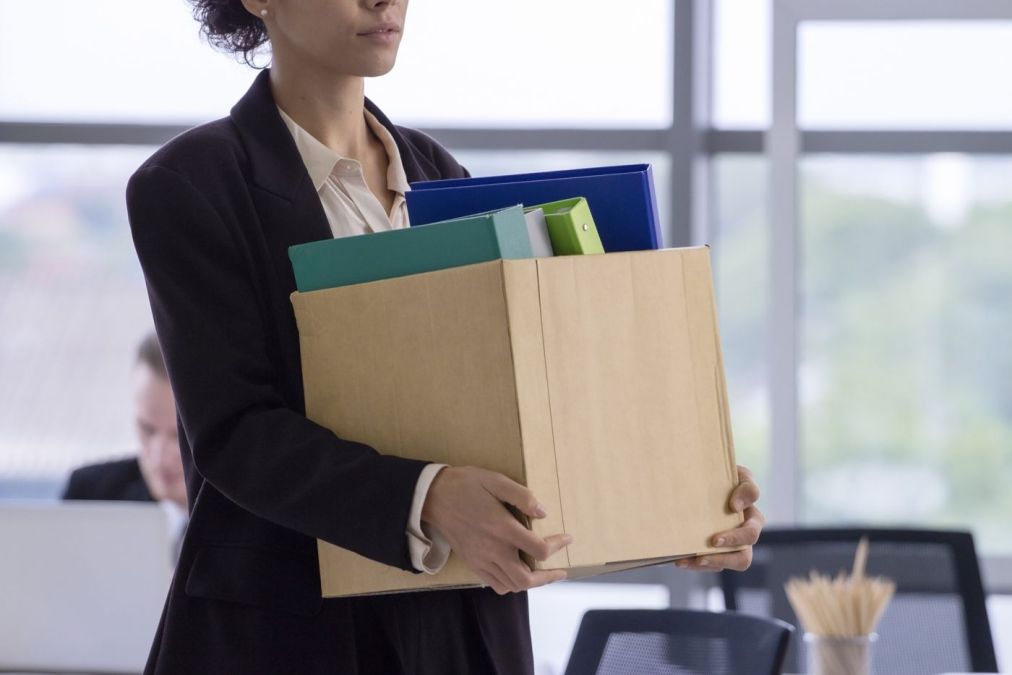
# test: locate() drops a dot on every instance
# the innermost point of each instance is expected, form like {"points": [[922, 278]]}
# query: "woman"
{"points": [[304, 156]]}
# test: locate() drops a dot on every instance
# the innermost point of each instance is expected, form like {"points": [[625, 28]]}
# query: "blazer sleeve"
{"points": [[246, 440]]}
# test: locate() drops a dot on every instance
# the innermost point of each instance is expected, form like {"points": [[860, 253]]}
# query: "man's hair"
{"points": [[150, 354], [230, 28]]}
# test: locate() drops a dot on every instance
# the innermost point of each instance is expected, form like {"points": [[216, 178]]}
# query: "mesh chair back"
{"points": [[677, 642], [937, 621]]}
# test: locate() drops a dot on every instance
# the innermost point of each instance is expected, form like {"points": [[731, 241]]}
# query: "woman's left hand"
{"points": [[743, 500]]}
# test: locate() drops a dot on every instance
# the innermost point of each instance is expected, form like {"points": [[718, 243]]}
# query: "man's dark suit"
{"points": [[213, 213], [120, 480]]}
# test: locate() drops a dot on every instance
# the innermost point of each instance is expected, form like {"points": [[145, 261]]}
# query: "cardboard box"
{"points": [[596, 381]]}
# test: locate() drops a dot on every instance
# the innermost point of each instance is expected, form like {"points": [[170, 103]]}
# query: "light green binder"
{"points": [[571, 227]]}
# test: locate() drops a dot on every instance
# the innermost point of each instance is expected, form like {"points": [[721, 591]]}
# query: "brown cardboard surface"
{"points": [[595, 380], [521, 286], [631, 362], [424, 371]]}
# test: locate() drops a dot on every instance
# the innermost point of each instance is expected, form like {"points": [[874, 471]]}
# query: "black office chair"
{"points": [[682, 642], [937, 621]]}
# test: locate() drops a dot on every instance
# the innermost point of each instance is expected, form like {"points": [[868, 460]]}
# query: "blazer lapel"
{"points": [[285, 199], [416, 165], [275, 164]]}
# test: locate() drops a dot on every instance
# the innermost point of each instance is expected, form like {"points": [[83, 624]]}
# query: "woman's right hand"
{"points": [[467, 505]]}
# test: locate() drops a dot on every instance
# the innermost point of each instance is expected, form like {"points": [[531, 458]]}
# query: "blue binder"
{"points": [[620, 197]]}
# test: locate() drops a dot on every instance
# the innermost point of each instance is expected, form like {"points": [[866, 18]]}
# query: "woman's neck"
{"points": [[328, 107]]}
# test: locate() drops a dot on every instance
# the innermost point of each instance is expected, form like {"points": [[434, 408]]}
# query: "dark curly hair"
{"points": [[230, 28]]}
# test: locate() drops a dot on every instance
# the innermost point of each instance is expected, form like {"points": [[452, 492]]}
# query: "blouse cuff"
{"points": [[429, 549]]}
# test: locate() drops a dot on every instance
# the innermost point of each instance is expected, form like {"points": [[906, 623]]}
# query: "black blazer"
{"points": [[212, 214], [119, 480]]}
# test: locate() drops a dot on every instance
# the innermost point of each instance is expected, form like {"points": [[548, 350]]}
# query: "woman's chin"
{"points": [[378, 69]]}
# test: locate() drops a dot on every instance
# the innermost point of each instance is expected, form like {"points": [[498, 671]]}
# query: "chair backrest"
{"points": [[936, 622], [677, 642]]}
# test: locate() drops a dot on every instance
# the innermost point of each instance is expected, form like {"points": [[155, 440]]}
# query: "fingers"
{"points": [[744, 496], [535, 546], [746, 534], [738, 561], [494, 578], [518, 573], [513, 493], [522, 578], [493, 549], [513, 573], [747, 492], [556, 543], [545, 577]]}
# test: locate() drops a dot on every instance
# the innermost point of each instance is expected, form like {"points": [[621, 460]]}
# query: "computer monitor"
{"points": [[82, 584]]}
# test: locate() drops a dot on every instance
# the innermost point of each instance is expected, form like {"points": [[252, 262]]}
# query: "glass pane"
{"points": [[938, 75], [741, 63], [485, 163], [560, 63], [72, 306], [742, 277], [906, 372], [564, 63], [118, 60]]}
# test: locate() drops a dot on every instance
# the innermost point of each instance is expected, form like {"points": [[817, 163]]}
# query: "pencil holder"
{"points": [[832, 655]]}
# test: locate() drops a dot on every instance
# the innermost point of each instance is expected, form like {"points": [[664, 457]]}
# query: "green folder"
{"points": [[571, 227], [395, 253]]}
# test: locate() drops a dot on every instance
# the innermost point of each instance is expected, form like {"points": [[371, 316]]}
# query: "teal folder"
{"points": [[395, 253]]}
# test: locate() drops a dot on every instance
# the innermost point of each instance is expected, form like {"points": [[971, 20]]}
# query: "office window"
{"points": [[741, 64], [111, 61], [933, 75], [741, 264], [565, 63], [906, 374], [72, 306]]}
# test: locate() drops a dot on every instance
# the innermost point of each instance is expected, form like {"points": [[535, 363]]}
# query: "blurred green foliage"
{"points": [[905, 374]]}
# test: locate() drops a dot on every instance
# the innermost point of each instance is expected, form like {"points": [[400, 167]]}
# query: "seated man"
{"points": [[156, 474]]}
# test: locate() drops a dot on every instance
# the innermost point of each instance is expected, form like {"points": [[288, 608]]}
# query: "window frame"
{"points": [[785, 146], [690, 142]]}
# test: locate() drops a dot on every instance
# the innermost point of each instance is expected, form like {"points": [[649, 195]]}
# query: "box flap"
{"points": [[634, 379], [523, 304], [426, 372]]}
